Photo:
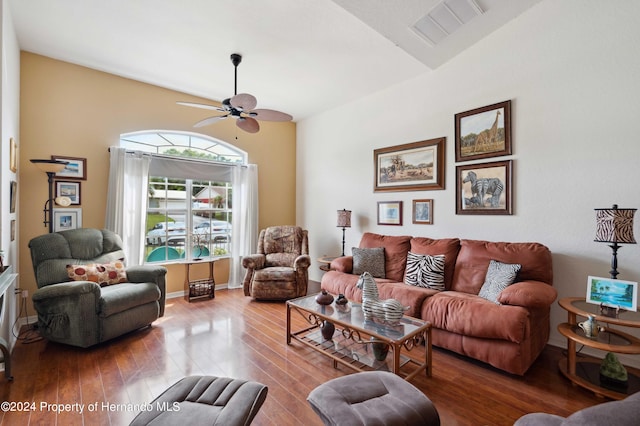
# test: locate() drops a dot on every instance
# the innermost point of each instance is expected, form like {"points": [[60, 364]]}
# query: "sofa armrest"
{"points": [[254, 261], [530, 294], [342, 264], [302, 262], [65, 290], [150, 274]]}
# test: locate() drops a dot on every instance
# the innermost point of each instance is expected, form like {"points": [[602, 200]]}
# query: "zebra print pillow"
{"points": [[425, 271], [499, 276]]}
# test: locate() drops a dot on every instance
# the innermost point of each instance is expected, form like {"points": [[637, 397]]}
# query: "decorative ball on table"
{"points": [[324, 298]]}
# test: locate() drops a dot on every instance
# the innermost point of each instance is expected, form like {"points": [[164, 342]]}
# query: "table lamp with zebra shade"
{"points": [[614, 226]]}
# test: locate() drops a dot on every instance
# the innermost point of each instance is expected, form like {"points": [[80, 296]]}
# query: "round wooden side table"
{"points": [[586, 373], [325, 262]]}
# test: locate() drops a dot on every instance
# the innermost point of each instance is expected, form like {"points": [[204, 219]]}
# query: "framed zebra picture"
{"points": [[483, 132], [423, 212], [484, 188]]}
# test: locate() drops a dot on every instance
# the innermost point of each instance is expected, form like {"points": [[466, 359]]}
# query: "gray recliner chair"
{"points": [[79, 311]]}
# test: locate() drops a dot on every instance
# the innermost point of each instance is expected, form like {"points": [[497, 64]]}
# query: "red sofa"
{"points": [[509, 335]]}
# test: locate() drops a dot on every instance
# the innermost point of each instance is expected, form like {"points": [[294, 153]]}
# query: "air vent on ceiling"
{"points": [[446, 18]]}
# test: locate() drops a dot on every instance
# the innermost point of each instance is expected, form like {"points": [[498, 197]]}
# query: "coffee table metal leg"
{"points": [[288, 324]]}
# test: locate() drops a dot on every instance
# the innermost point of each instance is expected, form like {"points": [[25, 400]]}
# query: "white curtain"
{"points": [[127, 200], [244, 237]]}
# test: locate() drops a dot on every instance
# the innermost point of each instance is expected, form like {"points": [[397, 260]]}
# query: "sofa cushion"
{"points": [[369, 260], [395, 252], [471, 315], [103, 274], [474, 257], [499, 276], [424, 270], [447, 246], [121, 297]]}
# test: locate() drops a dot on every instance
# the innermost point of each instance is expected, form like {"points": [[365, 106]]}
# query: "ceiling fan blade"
{"points": [[244, 102], [248, 124], [203, 106], [210, 120], [270, 115]]}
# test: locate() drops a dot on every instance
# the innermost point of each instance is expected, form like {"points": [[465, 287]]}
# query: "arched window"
{"points": [[189, 197]]}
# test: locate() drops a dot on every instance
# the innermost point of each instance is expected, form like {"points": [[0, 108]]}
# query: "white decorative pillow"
{"points": [[369, 260], [499, 276], [424, 270]]}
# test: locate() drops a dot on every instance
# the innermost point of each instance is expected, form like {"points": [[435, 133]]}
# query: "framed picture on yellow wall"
{"points": [[13, 154], [76, 168]]}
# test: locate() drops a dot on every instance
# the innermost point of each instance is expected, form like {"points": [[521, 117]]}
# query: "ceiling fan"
{"points": [[240, 106]]}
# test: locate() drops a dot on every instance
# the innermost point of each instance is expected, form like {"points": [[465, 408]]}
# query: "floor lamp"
{"points": [[50, 167], [344, 221], [614, 226]]}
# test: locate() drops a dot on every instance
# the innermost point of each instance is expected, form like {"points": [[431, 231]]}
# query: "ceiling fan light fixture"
{"points": [[240, 106]]}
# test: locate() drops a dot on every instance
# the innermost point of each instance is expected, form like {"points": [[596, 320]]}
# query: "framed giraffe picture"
{"points": [[483, 132], [484, 188]]}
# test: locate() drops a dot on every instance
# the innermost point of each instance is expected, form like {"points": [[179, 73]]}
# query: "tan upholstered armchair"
{"points": [[279, 270]]}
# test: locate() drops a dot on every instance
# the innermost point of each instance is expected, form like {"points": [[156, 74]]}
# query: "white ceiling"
{"points": [[299, 56]]}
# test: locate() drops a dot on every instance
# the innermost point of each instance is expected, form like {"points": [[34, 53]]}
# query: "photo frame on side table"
{"points": [[483, 132], [70, 190], [65, 219], [417, 166], [422, 212], [75, 169], [484, 188], [390, 213], [610, 293]]}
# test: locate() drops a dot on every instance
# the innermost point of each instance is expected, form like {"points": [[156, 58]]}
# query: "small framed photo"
{"points": [[70, 190], [13, 155], [612, 293], [484, 188], [65, 219], [76, 168], [13, 196], [390, 213], [13, 229], [423, 212], [483, 132]]}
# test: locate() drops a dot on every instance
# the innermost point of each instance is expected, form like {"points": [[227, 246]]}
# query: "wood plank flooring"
{"points": [[234, 336]]}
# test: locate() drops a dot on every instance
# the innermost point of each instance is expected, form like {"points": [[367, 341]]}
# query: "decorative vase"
{"points": [[327, 330], [324, 298], [341, 300], [380, 349]]}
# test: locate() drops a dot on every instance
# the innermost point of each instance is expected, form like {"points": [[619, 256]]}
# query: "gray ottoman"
{"points": [[372, 398], [205, 400]]}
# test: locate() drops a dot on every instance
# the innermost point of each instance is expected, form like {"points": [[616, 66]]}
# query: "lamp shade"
{"points": [[615, 225], [49, 166], [344, 218]]}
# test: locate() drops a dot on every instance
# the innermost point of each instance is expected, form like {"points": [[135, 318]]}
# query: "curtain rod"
{"points": [[170, 157]]}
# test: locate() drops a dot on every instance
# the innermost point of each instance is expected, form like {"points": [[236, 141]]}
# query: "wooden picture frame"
{"points": [[75, 169], [13, 196], [13, 229], [484, 188], [13, 155], [65, 219], [390, 213], [416, 166], [483, 132], [422, 212], [72, 190]]}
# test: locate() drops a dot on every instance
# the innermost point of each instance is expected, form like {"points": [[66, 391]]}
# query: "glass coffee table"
{"points": [[353, 339]]}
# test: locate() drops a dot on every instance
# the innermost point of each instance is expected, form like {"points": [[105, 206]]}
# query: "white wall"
{"points": [[9, 128], [571, 69]]}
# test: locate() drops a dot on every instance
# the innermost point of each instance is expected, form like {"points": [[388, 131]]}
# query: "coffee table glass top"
{"points": [[351, 314]]}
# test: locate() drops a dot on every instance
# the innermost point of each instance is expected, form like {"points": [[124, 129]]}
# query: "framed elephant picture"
{"points": [[483, 132]]}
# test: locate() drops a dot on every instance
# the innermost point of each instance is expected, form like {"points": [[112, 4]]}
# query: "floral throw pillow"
{"points": [[499, 276], [103, 274], [424, 270]]}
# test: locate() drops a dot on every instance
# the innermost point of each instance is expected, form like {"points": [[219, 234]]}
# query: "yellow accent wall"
{"points": [[70, 110]]}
